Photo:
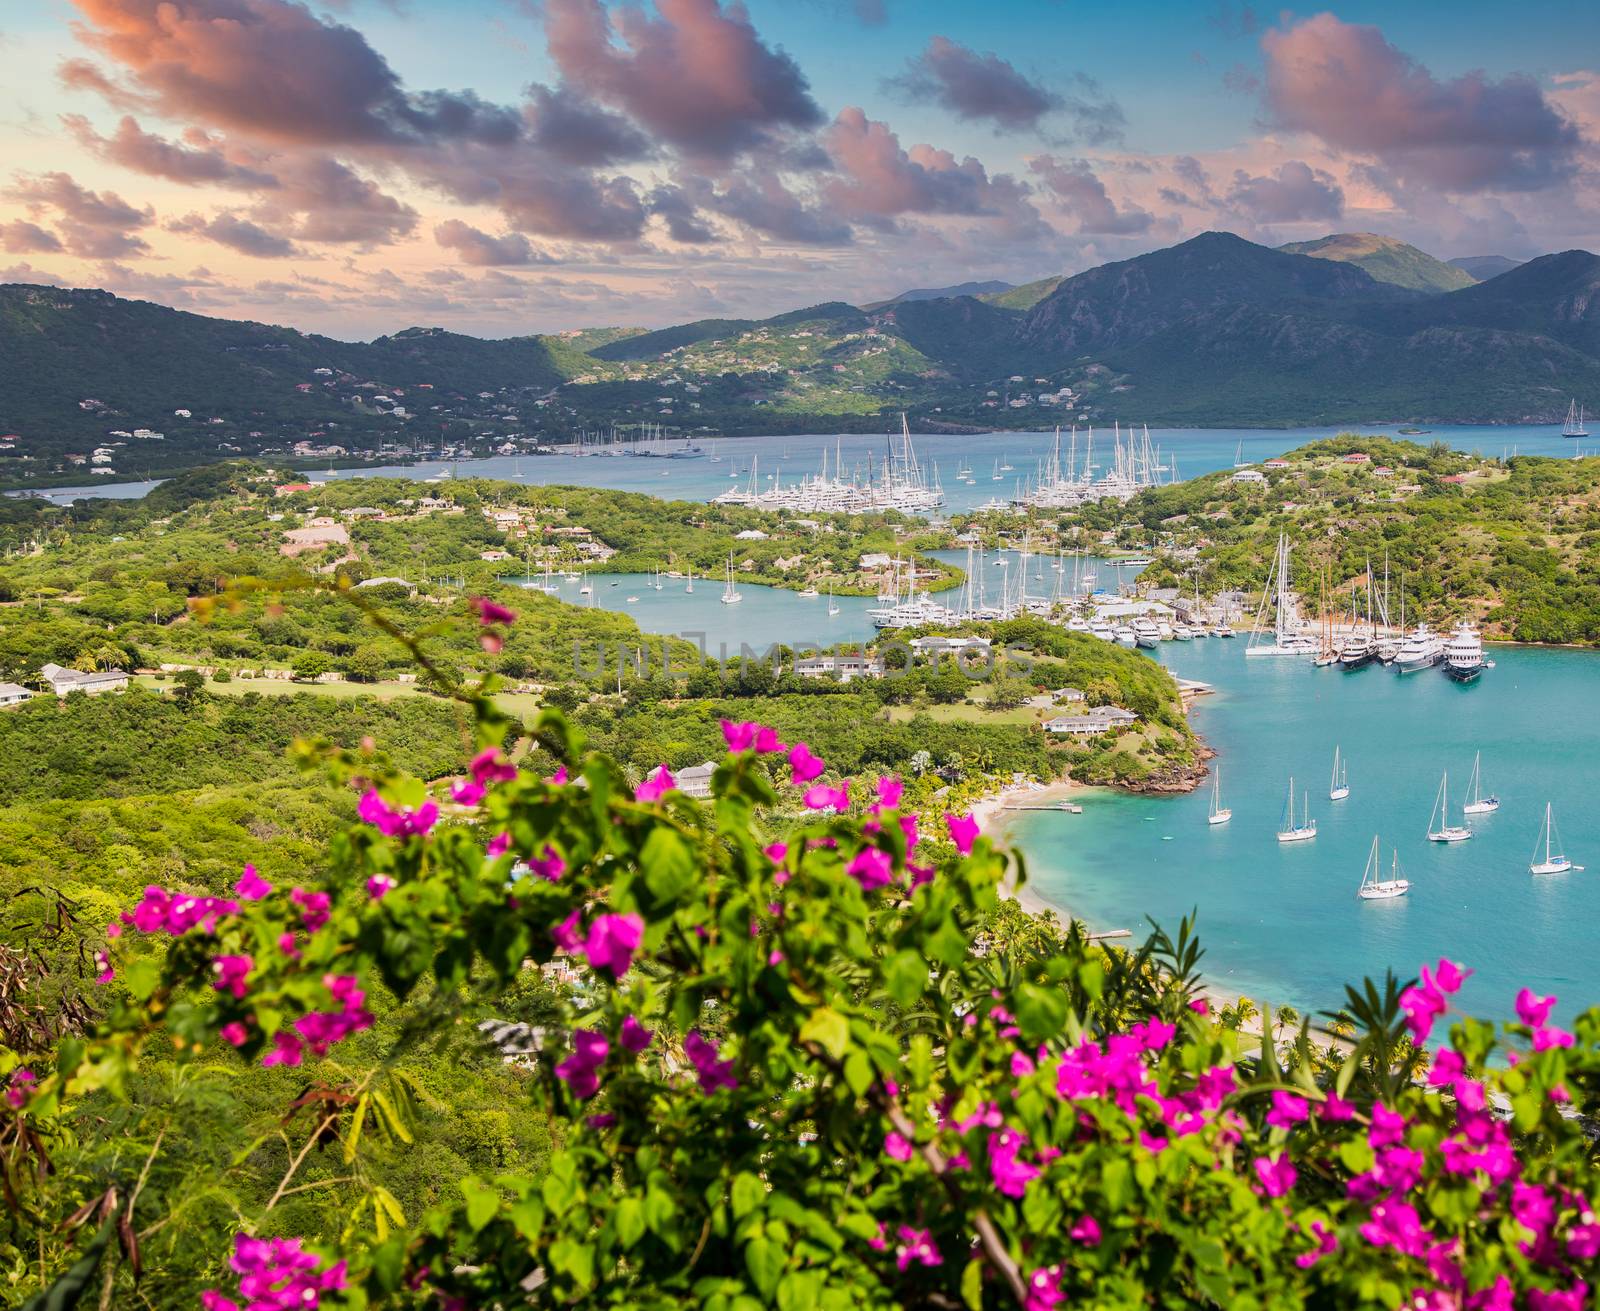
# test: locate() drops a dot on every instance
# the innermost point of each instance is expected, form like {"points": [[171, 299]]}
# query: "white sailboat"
{"points": [[1306, 829], [1444, 830], [1374, 888], [1283, 636], [1339, 788], [810, 593], [1220, 814], [1477, 803], [833, 606], [730, 594], [689, 586], [1573, 427], [1555, 860]]}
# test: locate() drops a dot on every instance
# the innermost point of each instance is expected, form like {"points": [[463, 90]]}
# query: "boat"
{"points": [[1573, 427], [586, 590], [1445, 831], [688, 587], [1182, 633], [810, 594], [1125, 636], [1286, 639], [1463, 654], [1339, 788], [1555, 860], [1477, 803], [833, 606], [632, 599], [1357, 650], [1374, 888], [1220, 814], [730, 594], [1146, 633], [1222, 630], [1421, 649], [1239, 462], [1306, 829]]}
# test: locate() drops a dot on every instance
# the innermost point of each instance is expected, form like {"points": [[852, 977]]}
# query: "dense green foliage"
{"points": [[1387, 260]]}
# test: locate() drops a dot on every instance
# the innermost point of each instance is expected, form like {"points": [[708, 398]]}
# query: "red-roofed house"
{"points": [[289, 489], [1358, 457]]}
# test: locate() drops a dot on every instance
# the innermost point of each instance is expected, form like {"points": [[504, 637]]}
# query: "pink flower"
{"points": [[1446, 1068], [559, 777], [499, 844], [580, 1071], [963, 831], [103, 964], [713, 1073], [566, 934], [1448, 975], [1200, 1006], [916, 1248], [276, 1274], [1327, 1244], [22, 1080], [1499, 1296], [403, 823], [890, 789], [739, 737], [822, 797], [251, 886], [1396, 1224], [466, 792], [776, 852], [1277, 1175], [803, 766], [1044, 1290], [314, 908], [379, 886], [1388, 1127], [612, 941], [1086, 1231], [235, 1033], [897, 1146], [1287, 1110], [1334, 1107], [656, 786], [871, 868], [1011, 1174], [1575, 1298], [489, 766], [1532, 1009], [492, 612], [1422, 1006], [548, 865], [231, 972], [634, 1037], [286, 1050], [1549, 1036], [1583, 1243]]}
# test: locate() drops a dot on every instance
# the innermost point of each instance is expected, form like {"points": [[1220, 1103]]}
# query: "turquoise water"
{"points": [[1193, 451], [1283, 922]]}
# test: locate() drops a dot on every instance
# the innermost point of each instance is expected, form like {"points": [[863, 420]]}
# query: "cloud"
{"points": [[575, 129], [1346, 85], [1085, 196], [673, 207], [142, 152], [92, 225], [272, 68], [23, 238], [762, 202], [880, 181], [235, 233], [535, 193], [26, 273], [1294, 193], [974, 86], [321, 199], [698, 76], [473, 246]]}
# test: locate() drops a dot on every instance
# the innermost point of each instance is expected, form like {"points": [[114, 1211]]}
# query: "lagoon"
{"points": [[1190, 451]]}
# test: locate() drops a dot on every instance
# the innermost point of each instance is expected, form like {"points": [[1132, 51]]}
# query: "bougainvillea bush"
{"points": [[809, 1056]]}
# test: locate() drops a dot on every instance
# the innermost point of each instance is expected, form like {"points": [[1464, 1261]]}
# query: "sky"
{"points": [[500, 167]]}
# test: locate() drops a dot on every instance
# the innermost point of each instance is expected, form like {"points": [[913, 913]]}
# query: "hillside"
{"points": [[1214, 331], [1387, 260], [990, 288], [1484, 267], [1512, 545]]}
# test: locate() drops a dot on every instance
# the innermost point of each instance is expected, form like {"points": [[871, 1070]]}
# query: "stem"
{"points": [[294, 1165]]}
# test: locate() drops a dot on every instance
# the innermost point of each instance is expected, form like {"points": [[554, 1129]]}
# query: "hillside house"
{"points": [[65, 681], [1092, 723]]}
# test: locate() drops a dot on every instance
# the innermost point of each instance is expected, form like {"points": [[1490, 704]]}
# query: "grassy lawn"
{"points": [[523, 704], [969, 714]]}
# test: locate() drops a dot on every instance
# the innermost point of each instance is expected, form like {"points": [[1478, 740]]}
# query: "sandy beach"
{"points": [[994, 819]]}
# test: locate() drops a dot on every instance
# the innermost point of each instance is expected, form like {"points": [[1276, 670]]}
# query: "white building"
{"points": [[13, 694], [62, 681]]}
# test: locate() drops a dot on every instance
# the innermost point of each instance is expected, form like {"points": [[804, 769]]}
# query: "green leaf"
{"points": [[629, 1221], [669, 868], [858, 1072], [828, 1029], [1116, 1182], [482, 1203], [972, 1284], [353, 1138], [748, 1193], [68, 1290], [1040, 1011], [905, 975], [765, 1260], [140, 977]]}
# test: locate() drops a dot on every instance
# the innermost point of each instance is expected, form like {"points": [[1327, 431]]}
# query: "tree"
{"points": [[188, 686], [309, 666], [366, 664]]}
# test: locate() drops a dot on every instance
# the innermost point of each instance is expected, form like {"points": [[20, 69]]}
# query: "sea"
{"points": [[1186, 452]]}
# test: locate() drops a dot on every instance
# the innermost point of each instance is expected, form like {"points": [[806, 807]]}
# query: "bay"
{"points": [[1191, 451]]}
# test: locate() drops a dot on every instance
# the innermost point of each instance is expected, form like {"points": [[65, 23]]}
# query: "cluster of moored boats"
{"points": [[1298, 826]]}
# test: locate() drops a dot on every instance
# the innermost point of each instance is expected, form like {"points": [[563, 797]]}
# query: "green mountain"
{"points": [[1387, 260], [991, 288], [1484, 267], [1216, 330]]}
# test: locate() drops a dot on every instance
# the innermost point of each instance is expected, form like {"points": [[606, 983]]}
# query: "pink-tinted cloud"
{"points": [[698, 76], [271, 68], [880, 180], [1078, 186], [576, 130], [321, 199], [1345, 84], [23, 238], [762, 202], [90, 224], [535, 193], [1293, 193], [471, 245], [975, 86], [236, 233], [143, 152]]}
